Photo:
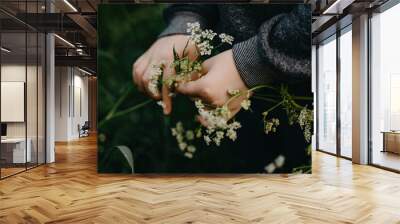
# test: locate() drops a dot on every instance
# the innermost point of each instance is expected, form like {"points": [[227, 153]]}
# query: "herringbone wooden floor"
{"points": [[70, 191]]}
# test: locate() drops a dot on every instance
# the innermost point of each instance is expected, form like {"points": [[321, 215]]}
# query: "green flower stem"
{"points": [[303, 97], [234, 97], [261, 87], [117, 104], [250, 90], [124, 112], [297, 105], [268, 95], [265, 99], [293, 97], [273, 108]]}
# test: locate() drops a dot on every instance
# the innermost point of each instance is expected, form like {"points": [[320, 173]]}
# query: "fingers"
{"points": [[191, 89], [145, 80], [166, 98], [138, 70]]}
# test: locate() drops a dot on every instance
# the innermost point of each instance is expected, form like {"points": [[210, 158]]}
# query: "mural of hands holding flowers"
{"points": [[196, 68], [220, 94]]}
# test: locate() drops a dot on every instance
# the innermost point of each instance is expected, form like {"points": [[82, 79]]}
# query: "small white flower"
{"points": [[174, 132], [279, 161], [233, 92], [225, 38], [245, 104], [207, 139], [208, 34], [198, 133], [305, 121], [199, 104], [191, 148], [155, 76], [205, 48], [270, 168], [193, 27], [270, 125], [235, 125], [217, 141], [179, 138], [188, 155], [179, 127], [182, 146], [189, 135], [231, 134]]}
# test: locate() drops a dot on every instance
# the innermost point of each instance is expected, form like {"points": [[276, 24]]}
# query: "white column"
{"points": [[50, 93], [360, 90], [314, 91]]}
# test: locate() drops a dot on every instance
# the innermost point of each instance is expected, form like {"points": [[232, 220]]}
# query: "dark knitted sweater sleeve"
{"points": [[178, 15], [281, 51]]}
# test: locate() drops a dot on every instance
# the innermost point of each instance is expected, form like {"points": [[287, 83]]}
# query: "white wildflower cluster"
{"points": [[155, 77], [245, 104], [305, 121], [184, 137], [203, 38], [271, 125], [205, 48], [225, 38], [277, 163], [218, 126], [193, 28], [233, 92]]}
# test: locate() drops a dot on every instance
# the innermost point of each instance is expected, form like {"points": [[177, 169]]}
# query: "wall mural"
{"points": [[194, 88]]}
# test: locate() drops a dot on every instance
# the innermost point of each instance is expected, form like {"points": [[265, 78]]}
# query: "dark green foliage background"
{"points": [[124, 33]]}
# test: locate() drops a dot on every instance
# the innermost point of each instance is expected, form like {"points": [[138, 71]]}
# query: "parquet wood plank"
{"points": [[71, 191]]}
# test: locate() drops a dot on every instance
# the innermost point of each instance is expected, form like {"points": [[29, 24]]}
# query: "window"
{"points": [[346, 92], [385, 88], [327, 95], [22, 101]]}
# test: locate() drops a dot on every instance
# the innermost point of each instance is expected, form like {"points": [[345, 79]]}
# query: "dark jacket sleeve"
{"points": [[281, 50], [178, 15]]}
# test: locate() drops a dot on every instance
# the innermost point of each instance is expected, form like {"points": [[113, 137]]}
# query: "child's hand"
{"points": [[220, 76], [160, 51]]}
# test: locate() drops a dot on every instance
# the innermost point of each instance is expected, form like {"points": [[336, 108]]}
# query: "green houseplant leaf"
{"points": [[127, 153]]}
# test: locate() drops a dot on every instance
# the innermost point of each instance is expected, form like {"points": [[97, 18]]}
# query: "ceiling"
{"points": [[76, 22]]}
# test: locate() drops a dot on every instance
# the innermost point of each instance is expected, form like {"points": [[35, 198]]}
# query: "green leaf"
{"points": [[308, 149], [184, 52], [176, 56], [127, 153], [176, 62]]}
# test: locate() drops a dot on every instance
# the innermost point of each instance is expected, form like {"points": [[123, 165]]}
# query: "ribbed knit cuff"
{"points": [[178, 23], [252, 69]]}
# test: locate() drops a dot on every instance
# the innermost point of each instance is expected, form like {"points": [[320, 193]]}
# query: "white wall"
{"points": [[71, 102]]}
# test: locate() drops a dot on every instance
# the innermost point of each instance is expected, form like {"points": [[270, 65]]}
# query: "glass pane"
{"points": [[327, 96], [13, 86], [41, 98], [346, 94], [32, 95], [386, 89]]}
